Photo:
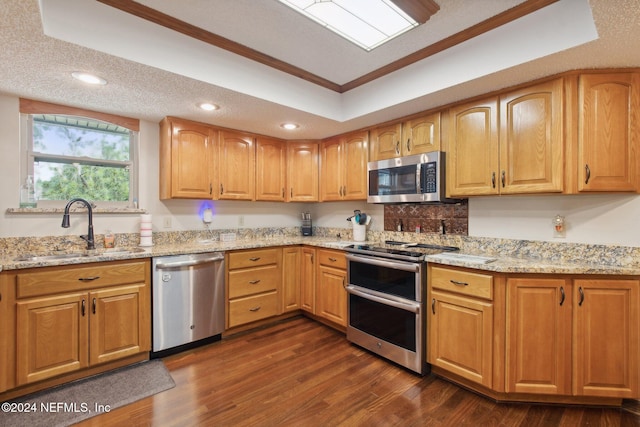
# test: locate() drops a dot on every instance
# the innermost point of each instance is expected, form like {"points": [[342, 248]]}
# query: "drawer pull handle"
{"points": [[89, 279], [332, 259], [254, 282], [94, 306], [433, 306], [581, 296], [455, 282], [254, 258], [561, 295], [254, 309], [83, 307], [587, 173]]}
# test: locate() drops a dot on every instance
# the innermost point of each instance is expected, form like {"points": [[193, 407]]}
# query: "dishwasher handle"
{"points": [[189, 262]]}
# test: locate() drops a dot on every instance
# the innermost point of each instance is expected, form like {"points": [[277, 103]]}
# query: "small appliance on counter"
{"points": [[359, 220], [307, 229]]}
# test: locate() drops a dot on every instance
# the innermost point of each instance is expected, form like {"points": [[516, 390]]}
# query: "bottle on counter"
{"points": [[28, 194], [109, 239]]}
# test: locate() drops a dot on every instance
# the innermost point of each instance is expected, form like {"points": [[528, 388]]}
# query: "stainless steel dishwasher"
{"points": [[188, 301]]}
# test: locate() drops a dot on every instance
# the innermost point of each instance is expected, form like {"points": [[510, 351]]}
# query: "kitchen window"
{"points": [[71, 152]]}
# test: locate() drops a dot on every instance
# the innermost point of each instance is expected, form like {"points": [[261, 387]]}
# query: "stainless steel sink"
{"points": [[71, 255]]}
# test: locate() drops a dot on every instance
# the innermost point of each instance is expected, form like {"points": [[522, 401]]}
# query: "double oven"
{"points": [[387, 291]]}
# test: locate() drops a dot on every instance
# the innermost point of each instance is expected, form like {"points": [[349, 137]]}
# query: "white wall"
{"points": [[598, 218]]}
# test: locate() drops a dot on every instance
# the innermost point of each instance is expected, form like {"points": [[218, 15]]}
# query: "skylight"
{"points": [[367, 23]]}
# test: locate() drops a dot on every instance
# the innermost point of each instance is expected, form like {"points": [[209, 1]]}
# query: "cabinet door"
{"points": [[606, 338], [271, 168], [308, 280], [331, 296], [385, 142], [608, 132], [538, 355], [237, 166], [302, 171], [532, 140], [460, 336], [421, 135], [354, 166], [116, 323], [472, 162], [187, 160], [52, 336], [331, 170], [291, 270]]}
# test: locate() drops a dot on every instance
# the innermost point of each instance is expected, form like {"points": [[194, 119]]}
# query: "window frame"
{"points": [[29, 108]]}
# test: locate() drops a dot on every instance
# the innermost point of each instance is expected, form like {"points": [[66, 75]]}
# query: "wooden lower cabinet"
{"points": [[291, 267], [330, 293], [606, 337], [308, 279], [460, 323], [254, 285], [538, 330], [78, 317], [545, 337]]}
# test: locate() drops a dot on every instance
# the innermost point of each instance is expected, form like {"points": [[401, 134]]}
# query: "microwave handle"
{"points": [[418, 179]]}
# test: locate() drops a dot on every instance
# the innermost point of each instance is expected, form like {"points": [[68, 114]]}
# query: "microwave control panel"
{"points": [[429, 177]]}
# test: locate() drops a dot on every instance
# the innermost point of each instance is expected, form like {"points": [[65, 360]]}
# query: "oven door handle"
{"points": [[396, 265], [412, 307]]}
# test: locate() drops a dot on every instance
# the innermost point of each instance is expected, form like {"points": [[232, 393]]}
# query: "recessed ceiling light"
{"points": [[368, 24], [88, 78], [289, 126], [208, 107]]}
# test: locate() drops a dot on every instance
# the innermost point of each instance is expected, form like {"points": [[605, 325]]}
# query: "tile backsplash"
{"points": [[431, 218]]}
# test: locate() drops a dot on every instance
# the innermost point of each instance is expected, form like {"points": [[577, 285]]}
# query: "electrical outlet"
{"points": [[166, 222], [241, 220]]}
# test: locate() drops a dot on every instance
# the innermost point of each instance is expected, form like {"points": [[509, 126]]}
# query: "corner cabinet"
{"points": [[70, 320], [343, 167], [512, 144], [187, 159], [415, 136], [609, 128]]}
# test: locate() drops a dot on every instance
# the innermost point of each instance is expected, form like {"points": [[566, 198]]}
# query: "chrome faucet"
{"points": [[91, 244]]}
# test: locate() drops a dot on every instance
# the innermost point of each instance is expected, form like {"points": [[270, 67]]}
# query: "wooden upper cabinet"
{"points": [[416, 136], [343, 167], [302, 171], [187, 151], [385, 142], [531, 140], [518, 151], [237, 166], [271, 168], [608, 127], [472, 160]]}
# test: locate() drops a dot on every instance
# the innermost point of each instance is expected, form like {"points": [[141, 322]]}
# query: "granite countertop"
{"points": [[465, 258], [21, 261]]}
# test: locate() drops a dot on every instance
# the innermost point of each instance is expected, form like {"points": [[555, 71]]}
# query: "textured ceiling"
{"points": [[37, 66]]}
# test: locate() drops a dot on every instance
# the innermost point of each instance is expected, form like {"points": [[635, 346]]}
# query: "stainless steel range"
{"points": [[387, 289]]}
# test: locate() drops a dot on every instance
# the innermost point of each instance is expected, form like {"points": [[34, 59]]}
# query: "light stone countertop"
{"points": [[498, 263]]}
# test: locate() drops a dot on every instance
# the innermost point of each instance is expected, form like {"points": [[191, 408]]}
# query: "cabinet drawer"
{"points": [[251, 281], [253, 258], [462, 282], [332, 259], [250, 309], [64, 279]]}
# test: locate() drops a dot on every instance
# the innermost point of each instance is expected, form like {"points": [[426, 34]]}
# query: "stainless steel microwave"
{"points": [[411, 179]]}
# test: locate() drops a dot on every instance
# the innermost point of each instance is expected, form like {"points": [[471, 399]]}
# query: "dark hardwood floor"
{"points": [[302, 373]]}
